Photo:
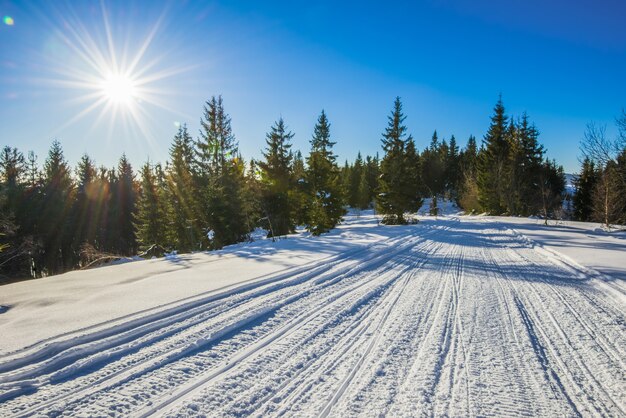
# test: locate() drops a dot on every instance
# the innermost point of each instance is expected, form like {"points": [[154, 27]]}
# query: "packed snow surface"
{"points": [[457, 316]]}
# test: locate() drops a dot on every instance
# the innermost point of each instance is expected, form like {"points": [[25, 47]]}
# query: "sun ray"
{"points": [[117, 81], [146, 43], [107, 28], [83, 113]]}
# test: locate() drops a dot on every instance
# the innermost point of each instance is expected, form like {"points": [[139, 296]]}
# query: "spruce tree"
{"points": [[55, 221], [433, 171], [324, 195], [398, 190], [85, 220], [468, 189], [123, 202], [12, 240], [354, 182], [532, 156], [277, 180], [585, 187], [299, 194], [184, 208], [453, 168], [492, 163], [221, 171], [372, 176], [513, 199], [551, 188], [150, 217], [252, 196]]}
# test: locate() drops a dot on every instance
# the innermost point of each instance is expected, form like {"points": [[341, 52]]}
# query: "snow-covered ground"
{"points": [[462, 316]]}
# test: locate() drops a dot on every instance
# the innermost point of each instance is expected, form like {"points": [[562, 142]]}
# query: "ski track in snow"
{"points": [[456, 317]]}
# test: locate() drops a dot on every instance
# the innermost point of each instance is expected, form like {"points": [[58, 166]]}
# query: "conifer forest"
{"points": [[56, 217]]}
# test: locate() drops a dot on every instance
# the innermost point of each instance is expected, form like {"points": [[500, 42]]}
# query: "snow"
{"points": [[457, 316]]}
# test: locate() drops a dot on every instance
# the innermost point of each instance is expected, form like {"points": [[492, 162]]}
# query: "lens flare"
{"points": [[8, 20]]}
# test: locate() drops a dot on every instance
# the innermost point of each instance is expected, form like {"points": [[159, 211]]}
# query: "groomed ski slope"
{"points": [[456, 316]]}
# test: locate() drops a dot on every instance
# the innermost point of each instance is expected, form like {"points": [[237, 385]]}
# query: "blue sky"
{"points": [[562, 62]]}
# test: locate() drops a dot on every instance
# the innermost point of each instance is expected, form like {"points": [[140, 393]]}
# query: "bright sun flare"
{"points": [[119, 89], [121, 83]]}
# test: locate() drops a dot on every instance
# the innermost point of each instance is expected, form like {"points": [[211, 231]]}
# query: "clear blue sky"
{"points": [[563, 62]]}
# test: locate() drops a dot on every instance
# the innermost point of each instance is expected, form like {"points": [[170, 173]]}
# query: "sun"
{"points": [[116, 75], [119, 89]]}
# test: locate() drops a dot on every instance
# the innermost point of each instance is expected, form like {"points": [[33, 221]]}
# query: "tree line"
{"points": [[601, 184], [206, 196]]}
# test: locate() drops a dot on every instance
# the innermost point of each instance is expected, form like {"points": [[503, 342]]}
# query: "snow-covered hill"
{"points": [[463, 316]]}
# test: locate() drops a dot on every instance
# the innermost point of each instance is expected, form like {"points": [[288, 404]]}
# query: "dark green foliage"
{"points": [[399, 185], [551, 189], [453, 169], [434, 169], [585, 188], [86, 205], [184, 209], [299, 192], [324, 205], [123, 200], [277, 181], [55, 223], [492, 164], [252, 196], [206, 197], [221, 178], [369, 181], [14, 245], [524, 167], [151, 214]]}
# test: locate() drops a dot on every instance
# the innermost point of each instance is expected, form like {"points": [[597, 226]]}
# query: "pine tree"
{"points": [[221, 171], [468, 188], [585, 187], [184, 208], [621, 178], [33, 175], [277, 180], [324, 195], [551, 188], [492, 163], [372, 175], [299, 193], [150, 217], [469, 157], [55, 221], [12, 171], [513, 199], [433, 171], [217, 145], [453, 169], [398, 186], [253, 196], [85, 220], [121, 234], [532, 156], [344, 180], [414, 172], [355, 181]]}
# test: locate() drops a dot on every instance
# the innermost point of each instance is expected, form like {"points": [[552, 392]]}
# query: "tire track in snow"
{"points": [[316, 281], [585, 390], [462, 320], [391, 278], [315, 274], [296, 392]]}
